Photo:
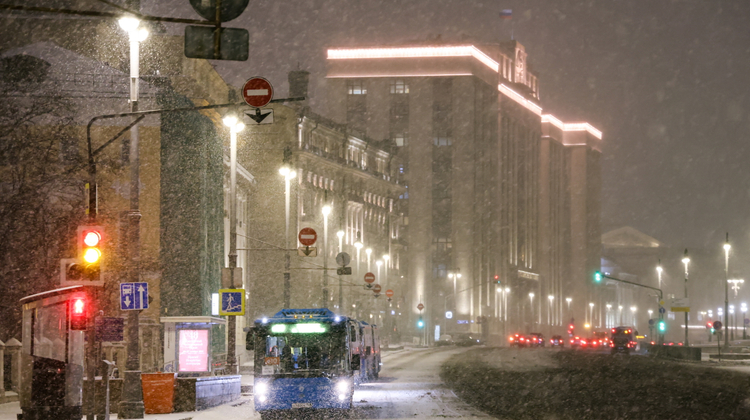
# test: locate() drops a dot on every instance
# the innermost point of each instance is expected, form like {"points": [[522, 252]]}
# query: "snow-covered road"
{"points": [[410, 388]]}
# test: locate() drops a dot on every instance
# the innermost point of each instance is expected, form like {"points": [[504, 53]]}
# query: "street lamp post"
{"points": [[340, 235], [591, 313], [633, 309], [659, 270], [650, 324], [386, 259], [358, 246], [743, 309], [531, 306], [609, 308], [727, 247], [235, 126], [326, 210], [368, 252], [288, 175], [686, 261], [549, 313], [378, 264], [731, 320], [131, 406]]}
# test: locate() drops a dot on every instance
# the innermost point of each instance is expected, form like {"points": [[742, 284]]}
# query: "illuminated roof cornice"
{"points": [[458, 51], [415, 52], [582, 126]]}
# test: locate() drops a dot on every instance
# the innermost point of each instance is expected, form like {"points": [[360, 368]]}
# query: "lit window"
{"points": [[442, 141], [399, 86], [356, 87], [400, 139]]}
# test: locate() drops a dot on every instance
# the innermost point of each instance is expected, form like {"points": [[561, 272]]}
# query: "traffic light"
{"points": [[78, 313], [90, 251], [598, 277], [497, 279], [571, 328], [420, 322], [661, 326]]}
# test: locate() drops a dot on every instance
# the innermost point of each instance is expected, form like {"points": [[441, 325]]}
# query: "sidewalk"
{"points": [[239, 409]]}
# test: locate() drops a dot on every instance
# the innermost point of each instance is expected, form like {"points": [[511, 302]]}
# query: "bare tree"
{"points": [[41, 192]]}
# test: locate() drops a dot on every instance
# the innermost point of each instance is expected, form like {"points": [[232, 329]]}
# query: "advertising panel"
{"points": [[193, 351]]}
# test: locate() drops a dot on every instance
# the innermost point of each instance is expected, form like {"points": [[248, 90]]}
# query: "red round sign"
{"points": [[307, 236], [376, 289], [389, 293], [420, 306], [257, 92], [369, 278]]}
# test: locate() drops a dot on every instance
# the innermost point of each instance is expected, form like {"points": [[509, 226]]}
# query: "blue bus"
{"points": [[306, 360]]}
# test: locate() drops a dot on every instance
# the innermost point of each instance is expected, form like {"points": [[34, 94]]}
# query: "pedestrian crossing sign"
{"points": [[232, 302]]}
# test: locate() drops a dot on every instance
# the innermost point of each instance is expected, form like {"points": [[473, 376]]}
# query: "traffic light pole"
{"points": [[661, 297]]}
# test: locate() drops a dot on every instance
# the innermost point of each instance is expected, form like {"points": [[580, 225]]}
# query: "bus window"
{"points": [[288, 353]]}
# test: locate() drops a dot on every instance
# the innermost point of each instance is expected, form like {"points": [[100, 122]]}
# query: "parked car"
{"points": [[445, 340]]}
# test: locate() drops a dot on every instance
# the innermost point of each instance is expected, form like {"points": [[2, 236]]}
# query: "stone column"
{"points": [[2, 371], [13, 348]]}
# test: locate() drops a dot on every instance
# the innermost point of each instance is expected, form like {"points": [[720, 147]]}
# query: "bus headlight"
{"points": [[342, 385], [261, 388]]}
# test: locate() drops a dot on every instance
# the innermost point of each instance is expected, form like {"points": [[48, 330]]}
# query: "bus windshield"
{"points": [[291, 352]]}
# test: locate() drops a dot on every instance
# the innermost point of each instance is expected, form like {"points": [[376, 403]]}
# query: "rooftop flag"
{"points": [[506, 14]]}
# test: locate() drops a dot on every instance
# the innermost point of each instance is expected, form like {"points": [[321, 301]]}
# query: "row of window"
{"points": [[358, 87]]}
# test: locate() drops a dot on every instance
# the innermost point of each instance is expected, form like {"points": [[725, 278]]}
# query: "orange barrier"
{"points": [[158, 392]]}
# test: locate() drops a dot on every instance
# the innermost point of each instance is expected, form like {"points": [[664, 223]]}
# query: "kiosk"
{"points": [[52, 352]]}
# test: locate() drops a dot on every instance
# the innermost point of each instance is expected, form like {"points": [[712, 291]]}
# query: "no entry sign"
{"points": [[257, 92], [376, 289], [307, 236], [369, 278], [420, 306], [389, 293]]}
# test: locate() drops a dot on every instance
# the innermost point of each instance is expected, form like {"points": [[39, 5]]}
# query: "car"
{"points": [[517, 340], [593, 343], [577, 342], [536, 339], [467, 339], [445, 340], [557, 341]]}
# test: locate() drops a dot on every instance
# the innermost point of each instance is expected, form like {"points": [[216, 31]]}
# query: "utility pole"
{"points": [[727, 247], [686, 261]]}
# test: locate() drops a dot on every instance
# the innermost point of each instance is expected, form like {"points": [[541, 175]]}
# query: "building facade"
{"points": [[358, 180], [501, 213]]}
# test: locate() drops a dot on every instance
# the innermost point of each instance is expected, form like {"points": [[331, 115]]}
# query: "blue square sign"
{"points": [[232, 302], [133, 296]]}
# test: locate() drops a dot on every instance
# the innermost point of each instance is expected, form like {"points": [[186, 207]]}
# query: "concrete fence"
{"points": [[10, 351]]}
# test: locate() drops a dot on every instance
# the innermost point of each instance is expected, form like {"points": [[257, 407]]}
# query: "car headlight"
{"points": [[261, 388], [342, 385]]}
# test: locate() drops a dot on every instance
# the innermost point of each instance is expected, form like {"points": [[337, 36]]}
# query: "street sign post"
{"points": [[369, 278], [133, 296], [232, 302], [307, 236], [343, 259], [257, 92]]}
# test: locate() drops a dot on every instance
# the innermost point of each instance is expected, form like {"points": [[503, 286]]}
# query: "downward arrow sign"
{"points": [[127, 301], [258, 118]]}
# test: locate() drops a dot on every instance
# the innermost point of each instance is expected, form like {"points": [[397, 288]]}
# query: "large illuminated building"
{"points": [[503, 201]]}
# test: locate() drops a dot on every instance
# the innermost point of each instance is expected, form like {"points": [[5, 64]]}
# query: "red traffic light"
{"points": [[78, 314]]}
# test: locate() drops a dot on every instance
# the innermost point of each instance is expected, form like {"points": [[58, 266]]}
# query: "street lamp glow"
{"points": [[368, 251], [230, 120], [358, 245], [340, 234], [140, 35], [551, 297], [386, 257], [531, 295], [507, 290], [129, 23], [609, 306], [633, 308], [686, 260], [659, 269], [727, 247], [379, 263], [326, 210], [568, 300], [619, 307], [591, 304]]}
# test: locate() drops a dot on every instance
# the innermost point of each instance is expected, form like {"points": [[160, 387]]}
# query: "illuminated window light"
{"points": [[278, 328], [415, 52]]}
